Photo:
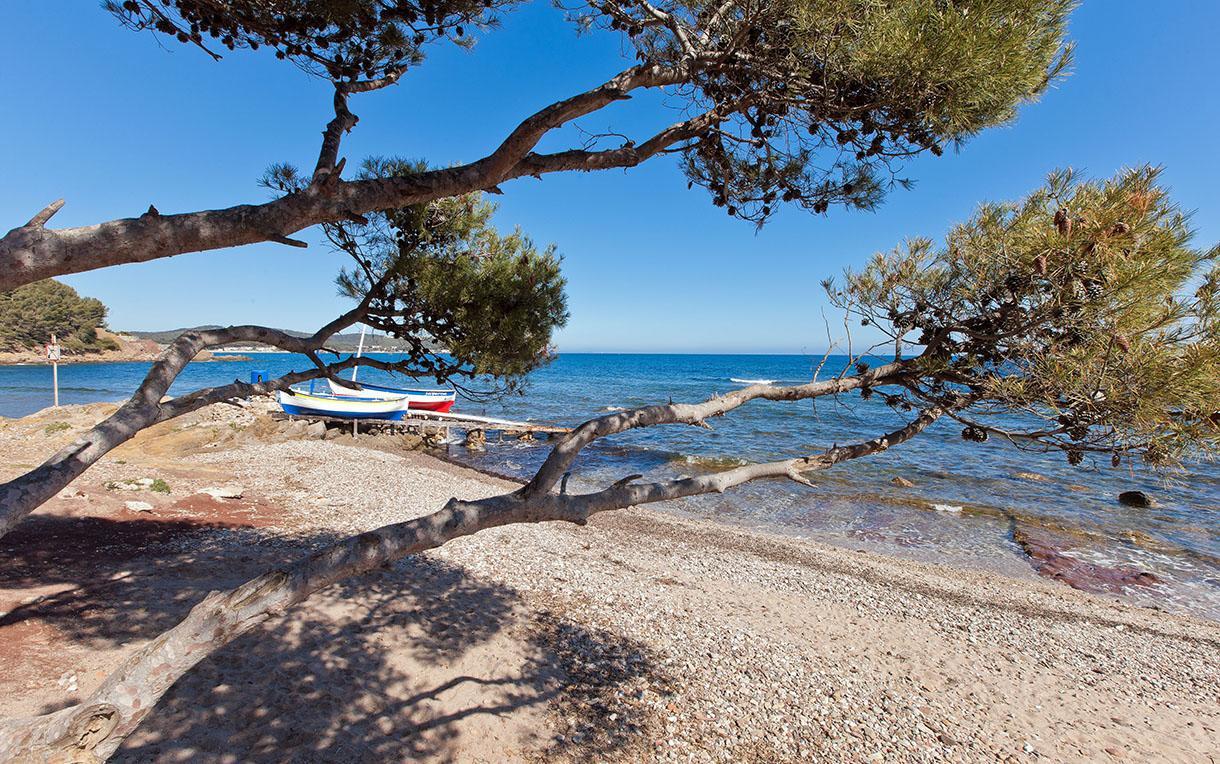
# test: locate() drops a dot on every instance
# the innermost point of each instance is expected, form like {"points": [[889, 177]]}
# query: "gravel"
{"points": [[736, 645]]}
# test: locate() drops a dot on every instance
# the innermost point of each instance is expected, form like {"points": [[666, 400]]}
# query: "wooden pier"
{"points": [[435, 425]]}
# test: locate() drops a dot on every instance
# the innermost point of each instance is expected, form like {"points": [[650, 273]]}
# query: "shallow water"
{"points": [[966, 502]]}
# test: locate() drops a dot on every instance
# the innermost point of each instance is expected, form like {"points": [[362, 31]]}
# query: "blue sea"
{"points": [[967, 501]]}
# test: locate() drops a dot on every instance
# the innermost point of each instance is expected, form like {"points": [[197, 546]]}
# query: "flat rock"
{"points": [[139, 506], [1045, 551], [223, 492], [901, 482]]}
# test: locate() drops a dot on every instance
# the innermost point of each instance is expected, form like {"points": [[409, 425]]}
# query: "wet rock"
{"points": [[139, 506], [476, 440], [901, 482], [1137, 499], [1043, 548]]}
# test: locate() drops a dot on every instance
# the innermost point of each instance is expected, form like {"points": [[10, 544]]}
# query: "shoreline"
{"points": [[642, 636], [205, 356]]}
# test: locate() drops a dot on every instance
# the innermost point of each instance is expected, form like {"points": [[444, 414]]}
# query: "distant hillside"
{"points": [[346, 343], [30, 314]]}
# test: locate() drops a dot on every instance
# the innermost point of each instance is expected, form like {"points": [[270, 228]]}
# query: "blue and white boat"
{"points": [[418, 399], [301, 403]]}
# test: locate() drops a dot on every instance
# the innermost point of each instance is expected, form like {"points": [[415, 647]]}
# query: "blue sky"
{"points": [[112, 121]]}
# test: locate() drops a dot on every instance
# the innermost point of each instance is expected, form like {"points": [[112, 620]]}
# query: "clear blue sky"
{"points": [[112, 121]]}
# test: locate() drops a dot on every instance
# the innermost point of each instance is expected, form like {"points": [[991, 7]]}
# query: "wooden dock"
{"points": [[435, 425]]}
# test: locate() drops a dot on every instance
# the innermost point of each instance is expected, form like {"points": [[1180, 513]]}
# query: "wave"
{"points": [[752, 381]]}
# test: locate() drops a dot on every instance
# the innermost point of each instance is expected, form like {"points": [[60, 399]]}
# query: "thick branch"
{"points": [[129, 694], [344, 121], [22, 495], [30, 253]]}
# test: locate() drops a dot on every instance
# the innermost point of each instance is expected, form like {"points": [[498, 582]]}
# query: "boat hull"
{"points": [[342, 407], [419, 400]]}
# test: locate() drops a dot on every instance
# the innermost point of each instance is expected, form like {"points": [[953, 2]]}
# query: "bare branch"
{"points": [[565, 452], [30, 254], [45, 214], [24, 494]]}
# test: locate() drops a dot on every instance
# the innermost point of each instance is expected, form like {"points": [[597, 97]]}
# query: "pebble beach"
{"points": [[645, 636]]}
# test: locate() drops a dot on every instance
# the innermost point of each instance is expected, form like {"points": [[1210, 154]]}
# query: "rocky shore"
{"points": [[641, 637]]}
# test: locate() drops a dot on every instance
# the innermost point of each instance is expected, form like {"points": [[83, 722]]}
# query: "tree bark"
{"points": [[95, 728]]}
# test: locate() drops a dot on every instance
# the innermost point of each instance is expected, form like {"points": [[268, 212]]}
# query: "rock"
{"points": [[901, 482], [332, 433], [125, 485], [1043, 548], [1136, 499], [139, 506], [476, 440], [145, 482], [316, 430], [1030, 476], [223, 492]]}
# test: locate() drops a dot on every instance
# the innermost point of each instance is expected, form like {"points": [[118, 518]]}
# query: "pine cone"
{"points": [[1063, 222]]}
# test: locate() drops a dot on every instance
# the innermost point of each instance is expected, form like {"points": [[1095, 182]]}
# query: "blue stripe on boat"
{"points": [[295, 410]]}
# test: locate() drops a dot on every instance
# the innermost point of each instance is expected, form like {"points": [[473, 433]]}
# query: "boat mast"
{"points": [[359, 349]]}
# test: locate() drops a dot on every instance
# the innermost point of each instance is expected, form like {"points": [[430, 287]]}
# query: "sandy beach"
{"points": [[644, 636]]}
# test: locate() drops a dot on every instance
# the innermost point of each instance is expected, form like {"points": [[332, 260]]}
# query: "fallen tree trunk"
{"points": [[95, 728]]}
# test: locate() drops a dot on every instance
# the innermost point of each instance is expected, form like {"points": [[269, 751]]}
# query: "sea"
{"points": [[970, 504]]}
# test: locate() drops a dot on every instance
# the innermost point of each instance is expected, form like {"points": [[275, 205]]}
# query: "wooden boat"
{"points": [[300, 403], [418, 399]]}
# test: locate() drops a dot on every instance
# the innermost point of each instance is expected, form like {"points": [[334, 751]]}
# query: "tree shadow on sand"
{"points": [[420, 660]]}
